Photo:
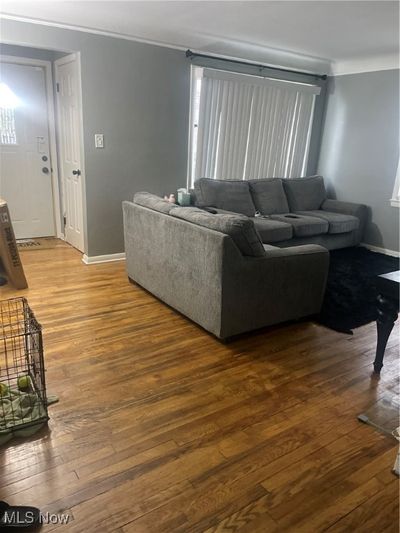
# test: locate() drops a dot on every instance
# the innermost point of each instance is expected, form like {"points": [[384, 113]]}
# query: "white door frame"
{"points": [[58, 62], [52, 130]]}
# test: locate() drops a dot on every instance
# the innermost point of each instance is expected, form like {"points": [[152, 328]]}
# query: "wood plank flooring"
{"points": [[161, 428]]}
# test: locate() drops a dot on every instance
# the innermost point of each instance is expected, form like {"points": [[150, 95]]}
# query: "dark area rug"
{"points": [[350, 297]]}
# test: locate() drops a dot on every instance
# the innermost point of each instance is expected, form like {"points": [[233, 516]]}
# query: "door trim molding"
{"points": [[62, 60], [94, 259], [46, 65]]}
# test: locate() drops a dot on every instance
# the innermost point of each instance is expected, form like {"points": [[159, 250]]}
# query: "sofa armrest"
{"points": [[285, 284], [302, 266], [295, 251], [349, 208]]}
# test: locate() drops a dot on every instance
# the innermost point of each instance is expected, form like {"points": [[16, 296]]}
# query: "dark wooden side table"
{"points": [[388, 308]]}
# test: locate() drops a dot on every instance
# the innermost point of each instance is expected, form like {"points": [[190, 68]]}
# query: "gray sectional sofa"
{"points": [[229, 270], [289, 211], [215, 270]]}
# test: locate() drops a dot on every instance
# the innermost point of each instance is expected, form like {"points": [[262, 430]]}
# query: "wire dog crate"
{"points": [[23, 401]]}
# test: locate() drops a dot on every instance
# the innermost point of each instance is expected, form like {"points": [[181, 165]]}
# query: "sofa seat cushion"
{"points": [[154, 202], [305, 194], [303, 226], [272, 230], [338, 223], [240, 228], [230, 195], [268, 196]]}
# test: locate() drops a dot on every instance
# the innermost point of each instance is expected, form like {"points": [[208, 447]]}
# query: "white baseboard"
{"points": [[94, 259], [385, 251]]}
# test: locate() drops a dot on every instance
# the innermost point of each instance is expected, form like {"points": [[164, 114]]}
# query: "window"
{"points": [[7, 126], [395, 200], [247, 127], [8, 102]]}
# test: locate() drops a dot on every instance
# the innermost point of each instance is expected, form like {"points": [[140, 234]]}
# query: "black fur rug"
{"points": [[350, 297]]}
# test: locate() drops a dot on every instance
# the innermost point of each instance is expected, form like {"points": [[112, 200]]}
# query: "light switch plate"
{"points": [[99, 140]]}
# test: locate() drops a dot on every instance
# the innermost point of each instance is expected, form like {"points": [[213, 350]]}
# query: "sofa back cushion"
{"points": [[230, 195], [240, 228], [269, 196], [305, 194], [152, 201]]}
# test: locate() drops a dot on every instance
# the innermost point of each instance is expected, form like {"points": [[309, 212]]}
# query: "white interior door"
{"points": [[70, 139], [25, 166]]}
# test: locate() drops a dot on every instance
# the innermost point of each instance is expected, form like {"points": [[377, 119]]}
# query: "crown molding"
{"points": [[368, 64], [86, 29], [230, 50]]}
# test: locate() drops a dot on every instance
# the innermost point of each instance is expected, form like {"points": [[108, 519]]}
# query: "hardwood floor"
{"points": [[161, 428]]}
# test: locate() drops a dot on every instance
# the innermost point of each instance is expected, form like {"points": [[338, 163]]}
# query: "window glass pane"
{"points": [[7, 126]]}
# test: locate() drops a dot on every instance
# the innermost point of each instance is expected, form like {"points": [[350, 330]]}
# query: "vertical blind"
{"points": [[250, 127]]}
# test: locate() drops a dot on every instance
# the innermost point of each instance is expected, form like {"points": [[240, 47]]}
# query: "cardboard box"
{"points": [[8, 250]]}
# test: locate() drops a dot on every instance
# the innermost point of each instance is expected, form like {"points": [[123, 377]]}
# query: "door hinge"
{"points": [[64, 220], [57, 87]]}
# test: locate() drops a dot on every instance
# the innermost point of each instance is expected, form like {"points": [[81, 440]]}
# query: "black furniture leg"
{"points": [[387, 316]]}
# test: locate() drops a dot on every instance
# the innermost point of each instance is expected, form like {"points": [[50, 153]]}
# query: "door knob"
{"points": [[76, 172], [45, 170]]}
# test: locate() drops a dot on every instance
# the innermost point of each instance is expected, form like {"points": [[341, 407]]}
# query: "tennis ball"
{"points": [[3, 389], [24, 382]]}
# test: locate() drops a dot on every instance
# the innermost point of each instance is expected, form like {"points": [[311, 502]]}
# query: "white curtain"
{"points": [[252, 127], [223, 128]]}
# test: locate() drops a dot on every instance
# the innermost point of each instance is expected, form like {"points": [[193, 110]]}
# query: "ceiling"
{"points": [[311, 34]]}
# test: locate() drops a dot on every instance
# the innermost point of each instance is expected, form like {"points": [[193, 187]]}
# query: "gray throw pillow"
{"points": [[305, 194], [240, 228], [269, 196], [152, 201], [230, 195]]}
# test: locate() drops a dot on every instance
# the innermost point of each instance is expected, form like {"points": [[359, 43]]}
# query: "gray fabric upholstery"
{"points": [[239, 227], [221, 211], [269, 247], [303, 226], [305, 194], [349, 208], [338, 222], [178, 262], [231, 195], [269, 230], [269, 196], [201, 273], [272, 230], [152, 201], [285, 283], [330, 241]]}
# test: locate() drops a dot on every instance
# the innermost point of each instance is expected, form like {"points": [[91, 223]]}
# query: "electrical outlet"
{"points": [[99, 140]]}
